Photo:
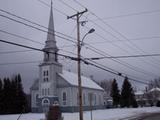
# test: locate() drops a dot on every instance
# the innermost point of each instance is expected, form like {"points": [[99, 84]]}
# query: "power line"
{"points": [[17, 63], [9, 52], [118, 74], [124, 15], [130, 14], [133, 44], [155, 66], [131, 56], [130, 66], [37, 49], [94, 65], [136, 69], [15, 35], [123, 40], [12, 19], [53, 7], [68, 5], [29, 25], [28, 39], [69, 57]]}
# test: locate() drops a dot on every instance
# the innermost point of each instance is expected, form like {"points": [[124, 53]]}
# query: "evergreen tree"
{"points": [[115, 93], [1, 96], [7, 96], [12, 97], [21, 96], [127, 95]]}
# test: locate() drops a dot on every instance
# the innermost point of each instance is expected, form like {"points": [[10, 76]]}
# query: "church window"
{"points": [[100, 100], [47, 73], [64, 98], [90, 98], [95, 102], [42, 92], [48, 91], [47, 79], [44, 73], [77, 98], [45, 91]]}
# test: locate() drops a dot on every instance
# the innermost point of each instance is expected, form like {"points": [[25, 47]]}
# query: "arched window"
{"points": [[64, 98]]}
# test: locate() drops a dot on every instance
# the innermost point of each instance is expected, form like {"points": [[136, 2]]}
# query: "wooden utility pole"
{"points": [[78, 15]]}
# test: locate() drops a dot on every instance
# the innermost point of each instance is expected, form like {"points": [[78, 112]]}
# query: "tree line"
{"points": [[12, 97], [123, 98]]}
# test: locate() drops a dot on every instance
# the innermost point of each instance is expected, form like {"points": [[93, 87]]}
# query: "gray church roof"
{"points": [[35, 85], [72, 78]]}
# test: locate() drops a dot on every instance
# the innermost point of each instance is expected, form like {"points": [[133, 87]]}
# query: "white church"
{"points": [[58, 86]]}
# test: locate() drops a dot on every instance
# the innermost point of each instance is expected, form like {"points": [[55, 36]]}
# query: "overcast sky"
{"points": [[125, 27]]}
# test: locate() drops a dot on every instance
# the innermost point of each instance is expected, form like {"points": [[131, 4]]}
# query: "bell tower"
{"points": [[49, 68]]}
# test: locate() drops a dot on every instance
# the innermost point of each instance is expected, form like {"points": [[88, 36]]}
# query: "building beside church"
{"points": [[58, 86]]}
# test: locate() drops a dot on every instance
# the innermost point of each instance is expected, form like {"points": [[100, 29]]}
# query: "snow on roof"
{"points": [[154, 89], [139, 93], [72, 78]]}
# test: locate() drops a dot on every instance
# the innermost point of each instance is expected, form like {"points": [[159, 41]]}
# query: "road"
{"points": [[153, 116]]}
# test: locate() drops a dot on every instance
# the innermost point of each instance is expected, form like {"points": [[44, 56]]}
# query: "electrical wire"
{"points": [[33, 27], [69, 57], [130, 14], [131, 56], [133, 44], [130, 66], [53, 7], [12, 19], [17, 63], [10, 52], [155, 66]]}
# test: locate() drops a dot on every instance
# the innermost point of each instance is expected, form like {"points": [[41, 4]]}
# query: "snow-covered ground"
{"points": [[107, 114]]}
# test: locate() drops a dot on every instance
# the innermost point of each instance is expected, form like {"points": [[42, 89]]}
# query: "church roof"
{"points": [[72, 79]]}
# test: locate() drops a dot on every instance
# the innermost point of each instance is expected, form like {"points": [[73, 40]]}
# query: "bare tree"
{"points": [[154, 83]]}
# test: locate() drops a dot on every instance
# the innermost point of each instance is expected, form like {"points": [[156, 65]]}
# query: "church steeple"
{"points": [[50, 45], [51, 33]]}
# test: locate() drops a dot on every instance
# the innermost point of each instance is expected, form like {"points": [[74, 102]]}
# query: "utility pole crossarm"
{"points": [[79, 13]]}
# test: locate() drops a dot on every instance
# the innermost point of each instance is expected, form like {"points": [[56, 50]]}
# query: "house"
{"points": [[140, 98], [58, 86], [148, 98], [153, 96]]}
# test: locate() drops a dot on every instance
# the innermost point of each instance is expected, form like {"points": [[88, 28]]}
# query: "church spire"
{"points": [[51, 33], [50, 45]]}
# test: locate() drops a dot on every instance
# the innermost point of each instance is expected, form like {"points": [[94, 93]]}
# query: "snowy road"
{"points": [[106, 114], [152, 116]]}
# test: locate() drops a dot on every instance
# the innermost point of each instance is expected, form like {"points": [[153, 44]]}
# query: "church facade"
{"points": [[58, 86]]}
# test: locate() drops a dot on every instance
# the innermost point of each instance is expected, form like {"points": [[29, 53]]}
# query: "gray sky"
{"points": [[133, 19]]}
